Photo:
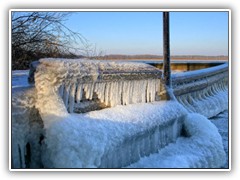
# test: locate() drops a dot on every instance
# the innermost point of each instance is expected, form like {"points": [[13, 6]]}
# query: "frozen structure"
{"points": [[122, 115], [203, 91]]}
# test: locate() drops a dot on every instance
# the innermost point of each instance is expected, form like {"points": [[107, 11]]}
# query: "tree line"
{"points": [[36, 35]]}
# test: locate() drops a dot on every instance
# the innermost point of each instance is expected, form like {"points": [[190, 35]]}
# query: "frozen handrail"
{"points": [[196, 74], [112, 83], [203, 91], [60, 88], [199, 79]]}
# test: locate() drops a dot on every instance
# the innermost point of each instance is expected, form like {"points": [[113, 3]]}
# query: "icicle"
{"points": [[126, 93], [22, 155], [86, 88], [71, 99], [79, 93], [143, 91], [103, 87], [91, 90], [106, 93], [120, 92], [111, 95], [61, 91], [147, 91], [66, 94]]}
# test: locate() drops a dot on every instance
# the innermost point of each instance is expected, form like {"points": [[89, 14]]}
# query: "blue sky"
{"points": [[191, 33]]}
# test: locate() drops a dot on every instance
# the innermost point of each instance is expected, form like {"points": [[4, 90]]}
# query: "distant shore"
{"points": [[157, 57]]}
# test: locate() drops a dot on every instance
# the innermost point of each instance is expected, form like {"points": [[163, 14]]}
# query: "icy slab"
{"points": [[202, 148], [113, 137], [65, 69]]}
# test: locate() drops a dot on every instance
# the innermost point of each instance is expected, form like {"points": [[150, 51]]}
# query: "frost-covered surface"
{"points": [[60, 84], [110, 93], [203, 91], [209, 101], [202, 72], [221, 121], [20, 78], [63, 69], [26, 127], [113, 137], [201, 149]]}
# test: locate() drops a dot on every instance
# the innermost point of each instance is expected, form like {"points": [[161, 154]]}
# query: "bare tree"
{"points": [[42, 34]]}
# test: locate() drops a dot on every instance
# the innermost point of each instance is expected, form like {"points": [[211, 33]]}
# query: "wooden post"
{"points": [[166, 51]]}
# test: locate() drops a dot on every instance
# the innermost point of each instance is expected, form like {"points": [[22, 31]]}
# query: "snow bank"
{"points": [[113, 137], [201, 148]]}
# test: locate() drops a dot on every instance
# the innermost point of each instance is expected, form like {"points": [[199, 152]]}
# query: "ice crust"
{"points": [[59, 86], [119, 136], [202, 148], [209, 101], [113, 137], [110, 93]]}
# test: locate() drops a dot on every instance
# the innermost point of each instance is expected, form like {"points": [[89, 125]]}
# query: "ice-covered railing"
{"points": [[80, 82], [131, 131], [113, 137], [26, 129], [113, 134], [203, 91]]}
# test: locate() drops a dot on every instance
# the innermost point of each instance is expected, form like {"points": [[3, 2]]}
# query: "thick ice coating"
{"points": [[202, 148], [62, 83], [113, 137]]}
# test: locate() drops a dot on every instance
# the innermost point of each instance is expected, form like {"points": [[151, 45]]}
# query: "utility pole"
{"points": [[166, 51]]}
